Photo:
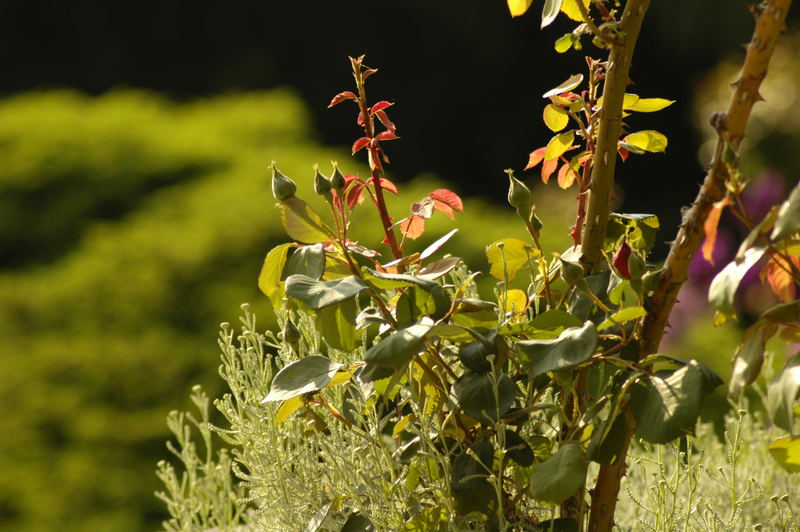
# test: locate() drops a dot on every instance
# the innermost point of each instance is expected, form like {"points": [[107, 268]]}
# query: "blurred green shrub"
{"points": [[132, 227]]}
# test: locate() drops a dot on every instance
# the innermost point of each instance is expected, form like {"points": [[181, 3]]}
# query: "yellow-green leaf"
{"points": [[621, 316], [647, 140], [628, 100], [570, 9], [515, 301], [648, 105], [288, 408], [555, 118], [786, 451], [564, 42], [269, 280], [401, 425], [518, 7], [558, 145], [302, 223], [507, 256], [566, 86]]}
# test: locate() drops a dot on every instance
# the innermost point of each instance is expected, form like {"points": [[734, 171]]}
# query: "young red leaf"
{"points": [[566, 176], [360, 120], [535, 158], [384, 118], [448, 197], [386, 135], [620, 260], [379, 106], [623, 153], [342, 96], [548, 168], [369, 72], [445, 208], [412, 227], [710, 228], [777, 273], [386, 185], [360, 144], [354, 193]]}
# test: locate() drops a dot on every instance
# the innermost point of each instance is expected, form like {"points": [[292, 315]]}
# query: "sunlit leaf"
{"points": [[572, 347], [287, 408], [570, 9], [555, 117], [550, 11], [724, 285], [516, 301], [778, 273], [749, 357], [667, 404], [434, 247], [447, 197], [269, 280], [535, 158], [621, 316], [412, 227], [558, 145], [319, 294], [302, 223], [566, 176], [441, 267], [397, 349], [306, 260], [337, 325], [559, 477], [782, 394], [566, 86], [566, 41], [507, 256], [788, 221], [518, 7], [548, 168], [710, 229], [648, 105], [647, 140], [786, 451], [306, 375]]}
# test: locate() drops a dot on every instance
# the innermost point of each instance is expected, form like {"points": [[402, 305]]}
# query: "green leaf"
{"points": [[606, 445], [667, 404], [476, 395], [724, 285], [559, 477], [788, 221], [749, 357], [647, 140], [413, 304], [433, 519], [783, 392], [574, 346], [437, 305], [786, 451], [508, 256], [336, 323], [358, 523], [319, 294], [554, 319], [397, 349], [648, 105], [568, 85], [302, 223], [437, 245], [564, 43], [439, 268], [306, 260], [550, 10], [558, 145], [269, 280], [639, 230], [621, 316], [287, 408], [308, 374], [555, 117], [517, 449]]}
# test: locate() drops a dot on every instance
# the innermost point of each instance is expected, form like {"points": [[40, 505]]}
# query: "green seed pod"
{"points": [[283, 188], [519, 195], [571, 272], [290, 333], [338, 181], [322, 185]]}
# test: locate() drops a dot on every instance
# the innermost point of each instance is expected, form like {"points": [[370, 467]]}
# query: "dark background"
{"points": [[467, 79]]}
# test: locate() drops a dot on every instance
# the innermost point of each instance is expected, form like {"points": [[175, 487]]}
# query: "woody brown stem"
{"points": [[770, 20]]}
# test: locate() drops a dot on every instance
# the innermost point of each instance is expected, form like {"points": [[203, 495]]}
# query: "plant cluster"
{"points": [[429, 406]]}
